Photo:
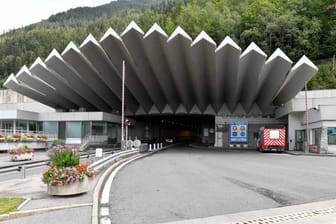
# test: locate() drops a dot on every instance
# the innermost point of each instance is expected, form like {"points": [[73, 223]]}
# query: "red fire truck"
{"points": [[272, 139]]}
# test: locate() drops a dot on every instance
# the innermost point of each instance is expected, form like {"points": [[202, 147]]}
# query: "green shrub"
{"points": [[63, 156]]}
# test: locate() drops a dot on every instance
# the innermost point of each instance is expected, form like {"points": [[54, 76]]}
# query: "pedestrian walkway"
{"points": [[43, 208], [312, 213]]}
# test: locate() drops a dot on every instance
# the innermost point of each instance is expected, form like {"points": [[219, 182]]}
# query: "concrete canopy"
{"points": [[164, 75]]}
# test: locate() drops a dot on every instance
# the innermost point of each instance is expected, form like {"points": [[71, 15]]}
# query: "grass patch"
{"points": [[9, 204]]}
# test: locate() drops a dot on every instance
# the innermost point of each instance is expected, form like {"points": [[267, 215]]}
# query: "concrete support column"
{"points": [[324, 140], [14, 126]]}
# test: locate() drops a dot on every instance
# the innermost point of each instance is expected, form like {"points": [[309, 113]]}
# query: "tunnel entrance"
{"points": [[174, 128]]}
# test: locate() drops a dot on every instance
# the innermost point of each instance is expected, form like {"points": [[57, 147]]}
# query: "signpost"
{"points": [[239, 132]]}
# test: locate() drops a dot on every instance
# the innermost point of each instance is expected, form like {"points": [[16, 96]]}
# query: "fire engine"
{"points": [[272, 139]]}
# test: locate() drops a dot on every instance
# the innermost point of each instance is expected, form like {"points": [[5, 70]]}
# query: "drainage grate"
{"points": [[289, 217]]}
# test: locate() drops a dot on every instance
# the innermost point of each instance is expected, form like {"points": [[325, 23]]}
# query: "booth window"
{"points": [[332, 136]]}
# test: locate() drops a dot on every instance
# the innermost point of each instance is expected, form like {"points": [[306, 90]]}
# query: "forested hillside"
{"points": [[298, 27]]}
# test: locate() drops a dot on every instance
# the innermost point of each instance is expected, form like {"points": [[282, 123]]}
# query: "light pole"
{"points": [[123, 143]]}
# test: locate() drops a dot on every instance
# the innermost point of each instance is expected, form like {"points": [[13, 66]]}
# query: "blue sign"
{"points": [[239, 132]]}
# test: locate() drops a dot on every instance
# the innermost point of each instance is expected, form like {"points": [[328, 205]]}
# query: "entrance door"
{"points": [[300, 139]]}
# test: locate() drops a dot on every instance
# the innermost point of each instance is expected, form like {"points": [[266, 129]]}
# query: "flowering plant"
{"points": [[2, 135], [63, 156], [60, 176], [20, 150], [65, 167], [42, 137]]}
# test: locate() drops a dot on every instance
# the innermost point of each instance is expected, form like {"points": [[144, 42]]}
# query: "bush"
{"points": [[65, 168], [63, 156], [58, 142]]}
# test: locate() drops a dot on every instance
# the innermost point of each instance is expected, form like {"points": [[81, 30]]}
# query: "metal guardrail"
{"points": [[103, 162], [97, 165]]}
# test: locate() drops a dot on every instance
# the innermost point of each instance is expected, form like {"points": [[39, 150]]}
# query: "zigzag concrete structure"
{"points": [[164, 75]]}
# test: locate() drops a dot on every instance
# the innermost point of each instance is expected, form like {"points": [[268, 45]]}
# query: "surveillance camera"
{"points": [[316, 108]]}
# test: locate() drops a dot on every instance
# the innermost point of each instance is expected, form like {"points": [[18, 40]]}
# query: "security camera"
{"points": [[316, 108]]}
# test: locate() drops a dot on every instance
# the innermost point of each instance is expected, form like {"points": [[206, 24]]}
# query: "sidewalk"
{"points": [[301, 153], [42, 208], [312, 213]]}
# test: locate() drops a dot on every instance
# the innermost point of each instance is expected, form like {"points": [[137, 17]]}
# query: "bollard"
{"points": [[154, 145], [158, 146], [161, 145], [150, 147], [23, 170]]}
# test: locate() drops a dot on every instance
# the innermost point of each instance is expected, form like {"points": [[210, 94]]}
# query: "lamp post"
{"points": [[123, 143]]}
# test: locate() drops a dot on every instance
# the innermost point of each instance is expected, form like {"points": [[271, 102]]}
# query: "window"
{"points": [[21, 126], [332, 136], [316, 136], [98, 128], [50, 127], [7, 125], [86, 127], [73, 129], [32, 126]]}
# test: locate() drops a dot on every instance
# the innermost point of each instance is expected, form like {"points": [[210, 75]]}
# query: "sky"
{"points": [[18, 13]]}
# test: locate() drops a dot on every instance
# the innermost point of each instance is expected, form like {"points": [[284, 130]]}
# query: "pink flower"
{"points": [[74, 150]]}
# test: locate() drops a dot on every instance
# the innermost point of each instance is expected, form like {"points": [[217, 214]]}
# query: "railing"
{"points": [[8, 135], [93, 140], [97, 165]]}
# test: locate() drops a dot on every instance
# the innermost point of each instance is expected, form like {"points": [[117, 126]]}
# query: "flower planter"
{"points": [[23, 156], [71, 189]]}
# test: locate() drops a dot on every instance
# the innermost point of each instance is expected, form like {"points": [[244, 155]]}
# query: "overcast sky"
{"points": [[18, 13]]}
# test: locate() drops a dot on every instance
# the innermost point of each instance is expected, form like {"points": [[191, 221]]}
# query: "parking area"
{"points": [[185, 183]]}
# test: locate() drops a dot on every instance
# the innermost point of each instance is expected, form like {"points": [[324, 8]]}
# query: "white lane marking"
{"points": [[107, 188]]}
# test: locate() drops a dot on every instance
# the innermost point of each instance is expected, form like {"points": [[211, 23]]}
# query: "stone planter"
{"points": [[23, 156], [71, 189]]}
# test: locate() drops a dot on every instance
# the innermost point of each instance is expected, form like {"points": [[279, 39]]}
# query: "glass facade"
{"points": [[86, 128], [98, 128], [61, 130], [50, 127], [332, 136], [316, 136], [7, 125], [112, 132], [73, 129], [21, 126], [32, 126]]}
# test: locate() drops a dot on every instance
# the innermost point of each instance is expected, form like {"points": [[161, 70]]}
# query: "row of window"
{"points": [[62, 129]]}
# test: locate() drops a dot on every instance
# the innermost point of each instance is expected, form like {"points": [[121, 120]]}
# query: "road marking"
{"points": [[107, 188], [104, 211]]}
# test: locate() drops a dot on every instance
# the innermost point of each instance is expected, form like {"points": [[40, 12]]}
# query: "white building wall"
{"points": [[294, 123], [10, 100]]}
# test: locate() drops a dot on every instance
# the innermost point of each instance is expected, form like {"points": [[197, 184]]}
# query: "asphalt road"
{"points": [[184, 183]]}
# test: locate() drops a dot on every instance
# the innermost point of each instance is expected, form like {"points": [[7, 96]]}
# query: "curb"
{"points": [[98, 189], [19, 214], [23, 203], [310, 154]]}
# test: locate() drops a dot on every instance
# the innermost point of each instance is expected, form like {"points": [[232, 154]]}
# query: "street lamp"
{"points": [[123, 142]]}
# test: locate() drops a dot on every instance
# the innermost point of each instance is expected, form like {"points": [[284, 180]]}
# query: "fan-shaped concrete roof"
{"points": [[164, 75]]}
